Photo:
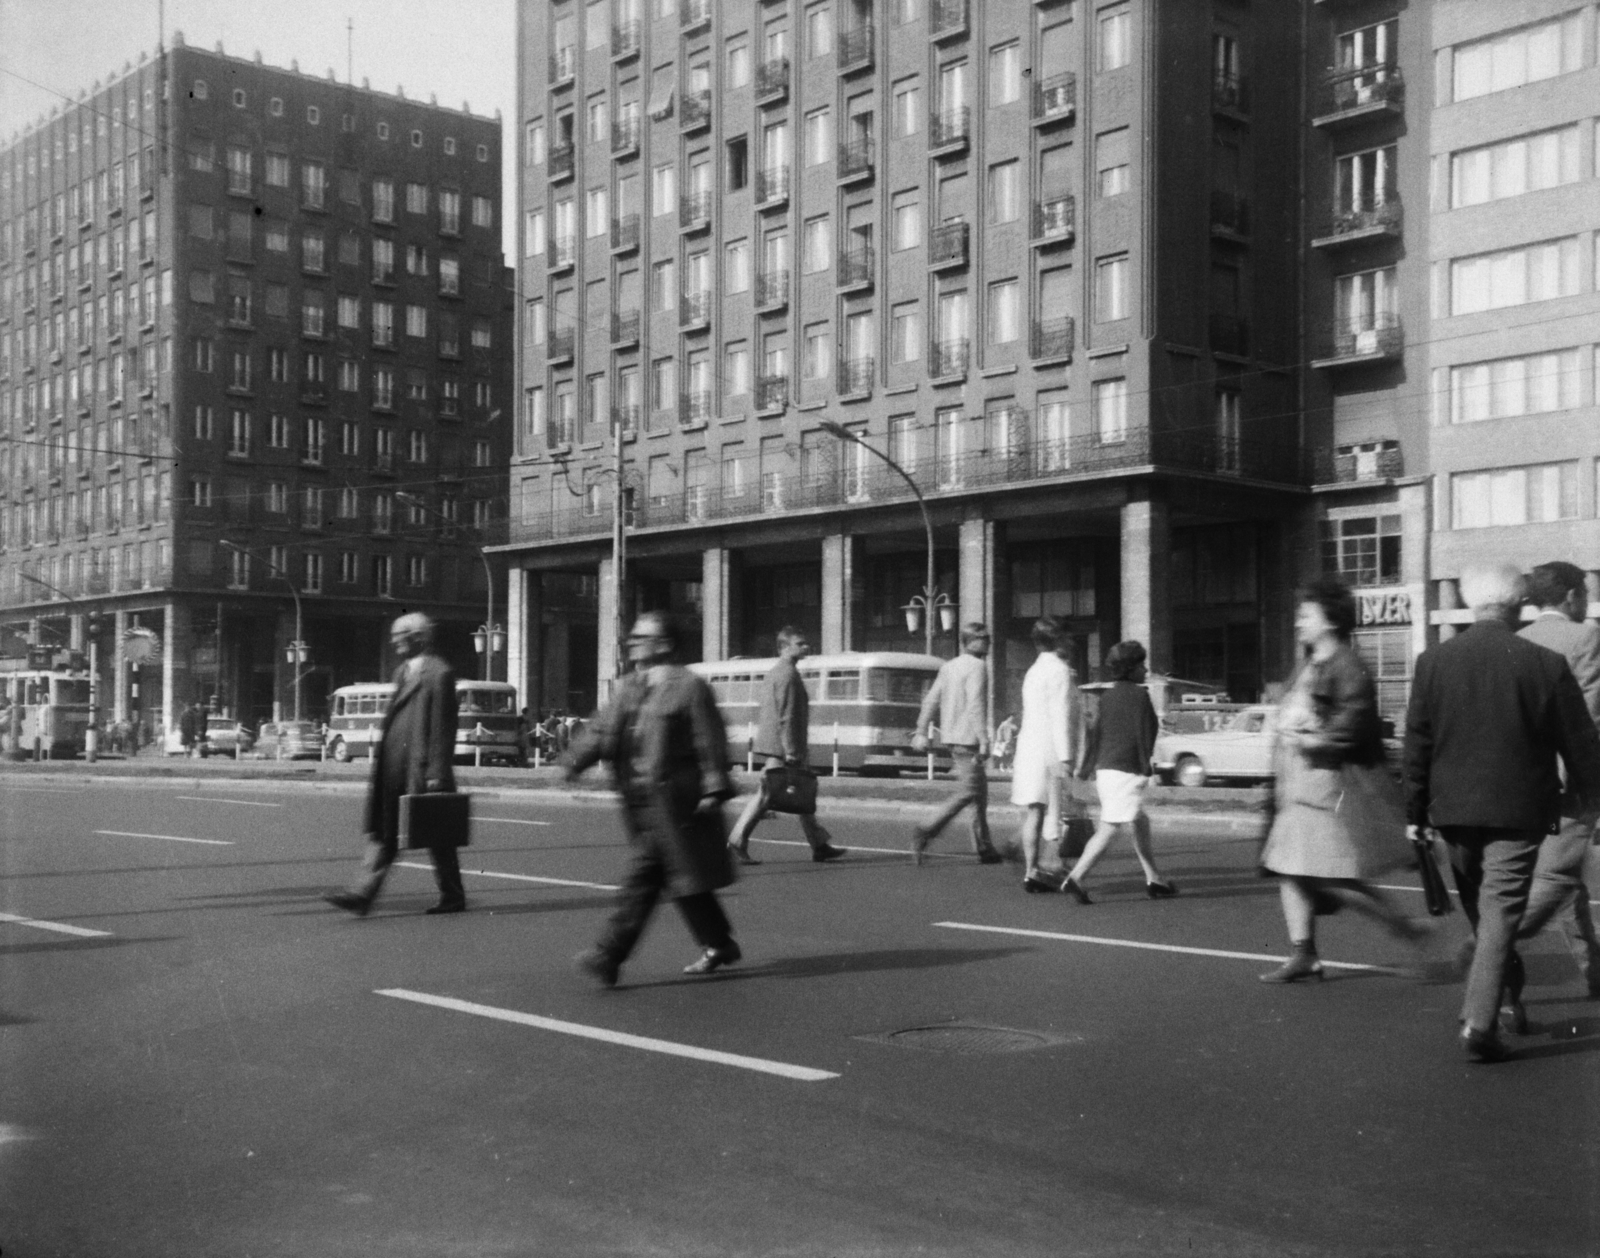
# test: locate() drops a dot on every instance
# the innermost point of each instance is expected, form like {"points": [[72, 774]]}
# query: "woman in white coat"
{"points": [[1047, 744]]}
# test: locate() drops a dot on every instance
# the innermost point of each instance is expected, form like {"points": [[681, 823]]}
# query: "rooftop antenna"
{"points": [[349, 51]]}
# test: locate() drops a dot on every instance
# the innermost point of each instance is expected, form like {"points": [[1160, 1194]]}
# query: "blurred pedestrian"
{"points": [[957, 706], [1338, 820], [189, 725], [1048, 742], [1005, 742], [1493, 720], [783, 739], [1121, 741], [415, 756], [664, 740]]}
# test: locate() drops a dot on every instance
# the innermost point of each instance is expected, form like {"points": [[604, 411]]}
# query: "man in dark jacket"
{"points": [[1493, 719], [414, 757], [664, 740], [783, 738]]}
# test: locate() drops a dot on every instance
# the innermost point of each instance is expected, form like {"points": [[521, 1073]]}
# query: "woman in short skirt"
{"points": [[1120, 745], [1046, 745]]}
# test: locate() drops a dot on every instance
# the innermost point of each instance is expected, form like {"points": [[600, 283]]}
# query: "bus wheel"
{"points": [[341, 751]]}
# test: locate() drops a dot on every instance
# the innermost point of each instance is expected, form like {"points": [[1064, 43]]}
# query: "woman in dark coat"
{"points": [[664, 740], [1339, 819]]}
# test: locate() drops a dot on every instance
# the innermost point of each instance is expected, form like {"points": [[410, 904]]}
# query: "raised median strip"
{"points": [[784, 1070], [1151, 947]]}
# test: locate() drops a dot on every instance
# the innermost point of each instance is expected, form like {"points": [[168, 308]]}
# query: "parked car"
{"points": [[225, 736], [1240, 749], [288, 739]]}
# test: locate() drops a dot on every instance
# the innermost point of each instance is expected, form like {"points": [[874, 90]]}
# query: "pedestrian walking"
{"points": [[957, 706], [1493, 720], [783, 740], [415, 756], [1048, 742], [1559, 892], [189, 725], [1338, 819], [1005, 742], [1120, 742], [664, 740]]}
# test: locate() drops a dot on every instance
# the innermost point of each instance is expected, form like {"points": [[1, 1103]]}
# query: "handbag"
{"points": [[790, 788], [1077, 826], [439, 819], [1434, 892]]}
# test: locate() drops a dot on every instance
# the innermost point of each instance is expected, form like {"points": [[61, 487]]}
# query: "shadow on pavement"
{"points": [[882, 961]]}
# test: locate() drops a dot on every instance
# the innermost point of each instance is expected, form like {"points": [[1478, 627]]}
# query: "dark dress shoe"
{"points": [[350, 902], [714, 959], [1513, 1017], [1483, 1046], [1075, 889], [827, 852], [742, 855], [599, 966], [448, 906], [1160, 890], [990, 857], [1035, 883], [1294, 969]]}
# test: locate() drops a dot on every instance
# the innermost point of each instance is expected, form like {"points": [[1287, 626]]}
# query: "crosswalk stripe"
{"points": [[1151, 947], [60, 928], [170, 838], [554, 882]]}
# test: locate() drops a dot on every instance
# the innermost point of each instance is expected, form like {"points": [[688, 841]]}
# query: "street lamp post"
{"points": [[619, 543], [924, 606], [297, 651], [411, 500]]}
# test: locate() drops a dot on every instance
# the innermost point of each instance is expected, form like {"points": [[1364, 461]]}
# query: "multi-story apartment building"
{"points": [[243, 305], [1041, 254], [1453, 299]]}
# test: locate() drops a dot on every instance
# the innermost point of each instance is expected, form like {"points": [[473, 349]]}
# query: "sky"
{"points": [[459, 50]]}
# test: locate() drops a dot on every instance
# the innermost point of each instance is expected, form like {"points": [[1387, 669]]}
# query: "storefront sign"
{"points": [[1383, 607]]}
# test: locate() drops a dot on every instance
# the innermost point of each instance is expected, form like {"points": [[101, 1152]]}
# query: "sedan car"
{"points": [[286, 740], [1241, 748], [225, 737]]}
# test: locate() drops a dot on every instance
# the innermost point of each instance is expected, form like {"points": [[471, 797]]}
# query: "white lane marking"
{"points": [[854, 847], [1418, 890], [554, 882], [1152, 947], [39, 790], [61, 928], [760, 1064], [512, 821], [217, 799], [170, 838]]}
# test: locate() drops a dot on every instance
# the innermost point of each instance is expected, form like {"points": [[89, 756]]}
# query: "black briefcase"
{"points": [[791, 789], [436, 820]]}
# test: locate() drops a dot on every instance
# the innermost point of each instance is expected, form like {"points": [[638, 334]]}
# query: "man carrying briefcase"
{"points": [[414, 757]]}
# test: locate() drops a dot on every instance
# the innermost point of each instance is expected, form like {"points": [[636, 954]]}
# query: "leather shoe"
{"points": [[742, 855], [1513, 1017], [714, 959], [1294, 969], [1035, 883], [350, 902], [1074, 888], [447, 906], [1483, 1046], [599, 966], [827, 852], [990, 857], [1161, 890]]}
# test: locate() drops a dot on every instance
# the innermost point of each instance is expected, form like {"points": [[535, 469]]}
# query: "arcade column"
{"points": [[176, 655], [840, 563], [981, 594], [1146, 575], [719, 611]]}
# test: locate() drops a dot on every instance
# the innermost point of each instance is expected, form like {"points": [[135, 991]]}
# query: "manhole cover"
{"points": [[960, 1037]]}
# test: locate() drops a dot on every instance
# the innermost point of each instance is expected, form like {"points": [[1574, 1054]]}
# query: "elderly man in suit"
{"points": [[415, 757], [957, 706], [783, 737], [1493, 720], [664, 740]]}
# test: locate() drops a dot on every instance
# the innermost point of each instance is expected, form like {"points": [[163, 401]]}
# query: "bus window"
{"points": [[738, 690], [898, 685], [72, 692], [338, 706], [813, 683], [470, 701], [382, 704], [842, 684], [366, 705]]}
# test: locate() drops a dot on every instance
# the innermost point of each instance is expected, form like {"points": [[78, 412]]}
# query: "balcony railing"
{"points": [[693, 14], [1052, 339], [855, 49], [855, 267], [855, 161], [1346, 465], [948, 131], [1346, 226], [1055, 220], [948, 359], [559, 163], [694, 210], [947, 247], [1369, 337], [694, 408], [772, 393], [559, 344], [561, 252], [694, 310], [772, 81], [1230, 213], [772, 185], [625, 233], [625, 39], [563, 63], [1055, 99], [1229, 334], [695, 111], [624, 137], [772, 289], [624, 327], [856, 376], [1348, 94], [1230, 92], [947, 19]]}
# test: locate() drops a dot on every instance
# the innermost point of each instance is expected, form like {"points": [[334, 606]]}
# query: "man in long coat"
{"points": [[664, 740], [414, 757]]}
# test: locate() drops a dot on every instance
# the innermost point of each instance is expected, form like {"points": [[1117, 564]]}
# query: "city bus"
{"points": [[45, 710], [865, 703], [486, 721]]}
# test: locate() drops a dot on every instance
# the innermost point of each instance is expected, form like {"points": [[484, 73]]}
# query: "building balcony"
{"points": [[1055, 99], [624, 328], [1230, 214], [561, 252], [772, 81], [694, 311], [856, 376], [694, 409], [625, 40], [559, 163], [625, 233], [947, 19], [855, 49], [624, 137], [559, 345], [694, 111], [1348, 96], [1349, 226], [772, 394], [855, 161], [949, 132], [855, 269], [1228, 334], [1230, 93], [1350, 465], [772, 290], [772, 187], [1052, 339], [947, 247], [1054, 221], [693, 14], [563, 65], [694, 211], [1368, 338], [947, 360]]}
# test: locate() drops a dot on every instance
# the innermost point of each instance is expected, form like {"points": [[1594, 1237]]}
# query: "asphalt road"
{"points": [[232, 1068]]}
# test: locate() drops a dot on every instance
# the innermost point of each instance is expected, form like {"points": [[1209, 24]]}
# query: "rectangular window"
{"points": [[313, 253], [817, 352], [598, 120], [534, 143], [311, 314], [663, 385], [1109, 403], [1005, 74], [482, 212], [664, 189], [1115, 40], [349, 376], [1515, 495], [907, 108], [819, 30], [349, 312], [417, 321], [239, 170], [277, 170], [816, 245], [1514, 277], [595, 221], [906, 220], [1111, 288], [819, 136], [239, 433], [416, 198], [311, 572], [1004, 319], [1111, 162], [383, 261], [736, 267], [664, 285], [1004, 201], [1365, 181], [1510, 168], [1364, 550], [1512, 58], [736, 369], [314, 185], [449, 212], [905, 333], [383, 200], [1532, 385], [382, 323]]}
